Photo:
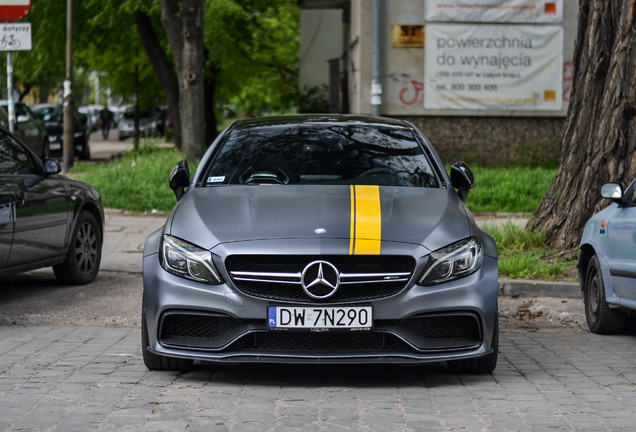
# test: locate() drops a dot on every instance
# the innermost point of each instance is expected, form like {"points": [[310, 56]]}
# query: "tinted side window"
{"points": [[13, 158]]}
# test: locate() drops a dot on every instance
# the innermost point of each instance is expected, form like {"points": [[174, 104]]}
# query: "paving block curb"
{"points": [[534, 288]]}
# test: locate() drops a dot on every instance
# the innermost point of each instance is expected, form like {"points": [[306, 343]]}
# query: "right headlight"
{"points": [[188, 261], [453, 262]]}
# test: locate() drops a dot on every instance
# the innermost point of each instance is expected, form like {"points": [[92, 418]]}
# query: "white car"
{"points": [[607, 262], [147, 123]]}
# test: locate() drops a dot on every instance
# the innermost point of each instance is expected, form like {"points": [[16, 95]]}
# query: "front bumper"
{"points": [[56, 141], [218, 323]]}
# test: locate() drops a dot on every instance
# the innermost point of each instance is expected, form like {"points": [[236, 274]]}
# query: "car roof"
{"points": [[45, 105], [320, 119]]}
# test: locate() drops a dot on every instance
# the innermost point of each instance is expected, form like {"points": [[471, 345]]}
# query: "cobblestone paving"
{"points": [[93, 378]]}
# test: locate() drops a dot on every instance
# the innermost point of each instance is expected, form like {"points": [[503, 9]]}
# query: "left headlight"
{"points": [[188, 261], [453, 262]]}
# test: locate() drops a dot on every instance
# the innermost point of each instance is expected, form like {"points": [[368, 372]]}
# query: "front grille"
{"points": [[278, 277], [444, 326], [189, 325], [329, 342], [434, 332], [198, 330]]}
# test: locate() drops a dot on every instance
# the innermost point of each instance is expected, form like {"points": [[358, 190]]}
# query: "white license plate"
{"points": [[320, 317], [55, 146]]}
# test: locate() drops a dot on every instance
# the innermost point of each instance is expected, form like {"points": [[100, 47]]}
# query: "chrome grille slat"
{"points": [[285, 278], [357, 279]]}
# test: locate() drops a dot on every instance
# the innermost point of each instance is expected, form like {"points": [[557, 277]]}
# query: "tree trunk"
{"points": [[599, 141], [43, 97], [210, 94], [25, 90], [183, 23], [163, 69]]}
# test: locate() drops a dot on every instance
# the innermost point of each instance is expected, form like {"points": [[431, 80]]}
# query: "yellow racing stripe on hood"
{"points": [[366, 220]]}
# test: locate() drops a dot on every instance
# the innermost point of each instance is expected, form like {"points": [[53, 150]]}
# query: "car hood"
{"points": [[208, 216]]}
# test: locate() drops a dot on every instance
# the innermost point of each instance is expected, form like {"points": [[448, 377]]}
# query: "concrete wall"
{"points": [[321, 36], [359, 59], [493, 141]]}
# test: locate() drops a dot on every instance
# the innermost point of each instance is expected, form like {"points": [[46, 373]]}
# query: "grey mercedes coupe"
{"points": [[320, 239]]}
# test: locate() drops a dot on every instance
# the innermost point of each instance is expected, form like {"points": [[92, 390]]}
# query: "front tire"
{"points": [[600, 317], [84, 253], [157, 362]]}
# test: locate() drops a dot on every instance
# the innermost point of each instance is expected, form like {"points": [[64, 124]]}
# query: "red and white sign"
{"points": [[495, 11], [13, 10]]}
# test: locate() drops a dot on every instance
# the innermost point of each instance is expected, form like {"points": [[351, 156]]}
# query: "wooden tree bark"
{"points": [[163, 69], [210, 94], [183, 24], [599, 140]]}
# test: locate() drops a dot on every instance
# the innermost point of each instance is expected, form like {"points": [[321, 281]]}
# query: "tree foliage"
{"points": [[250, 52], [42, 68], [106, 41], [255, 45]]}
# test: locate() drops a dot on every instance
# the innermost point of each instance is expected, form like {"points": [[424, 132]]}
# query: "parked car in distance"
{"points": [[118, 112], [320, 239], [92, 116], [53, 117], [607, 262], [147, 123], [28, 128], [46, 219]]}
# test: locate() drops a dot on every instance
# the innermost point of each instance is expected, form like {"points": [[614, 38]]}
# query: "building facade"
{"points": [[488, 81]]}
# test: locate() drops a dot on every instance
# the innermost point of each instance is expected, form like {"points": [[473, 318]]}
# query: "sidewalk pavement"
{"points": [[125, 234]]}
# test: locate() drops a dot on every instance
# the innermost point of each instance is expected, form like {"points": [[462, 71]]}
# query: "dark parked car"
{"points": [[27, 127], [46, 219], [53, 117], [320, 239], [607, 261]]}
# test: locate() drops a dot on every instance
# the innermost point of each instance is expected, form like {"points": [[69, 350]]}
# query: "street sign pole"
{"points": [[10, 105], [13, 38], [69, 101]]}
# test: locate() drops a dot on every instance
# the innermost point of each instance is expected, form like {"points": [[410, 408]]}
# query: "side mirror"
{"points": [[51, 166], [179, 178], [612, 191], [462, 178]]}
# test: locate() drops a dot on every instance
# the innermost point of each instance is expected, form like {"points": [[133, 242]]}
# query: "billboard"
{"points": [[495, 11], [493, 67]]}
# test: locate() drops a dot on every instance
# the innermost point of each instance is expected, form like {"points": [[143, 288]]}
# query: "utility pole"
{"points": [[376, 58], [69, 102]]}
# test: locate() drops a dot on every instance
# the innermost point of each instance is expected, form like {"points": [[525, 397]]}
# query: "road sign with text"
{"points": [[15, 36]]}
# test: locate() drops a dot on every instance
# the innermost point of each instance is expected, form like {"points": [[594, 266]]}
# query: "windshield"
{"points": [[368, 155], [48, 113], [129, 114]]}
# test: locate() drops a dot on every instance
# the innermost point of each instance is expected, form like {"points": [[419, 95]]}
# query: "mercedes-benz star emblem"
{"points": [[320, 279]]}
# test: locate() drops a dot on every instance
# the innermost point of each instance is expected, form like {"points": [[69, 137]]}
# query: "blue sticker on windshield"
{"points": [[218, 179]]}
